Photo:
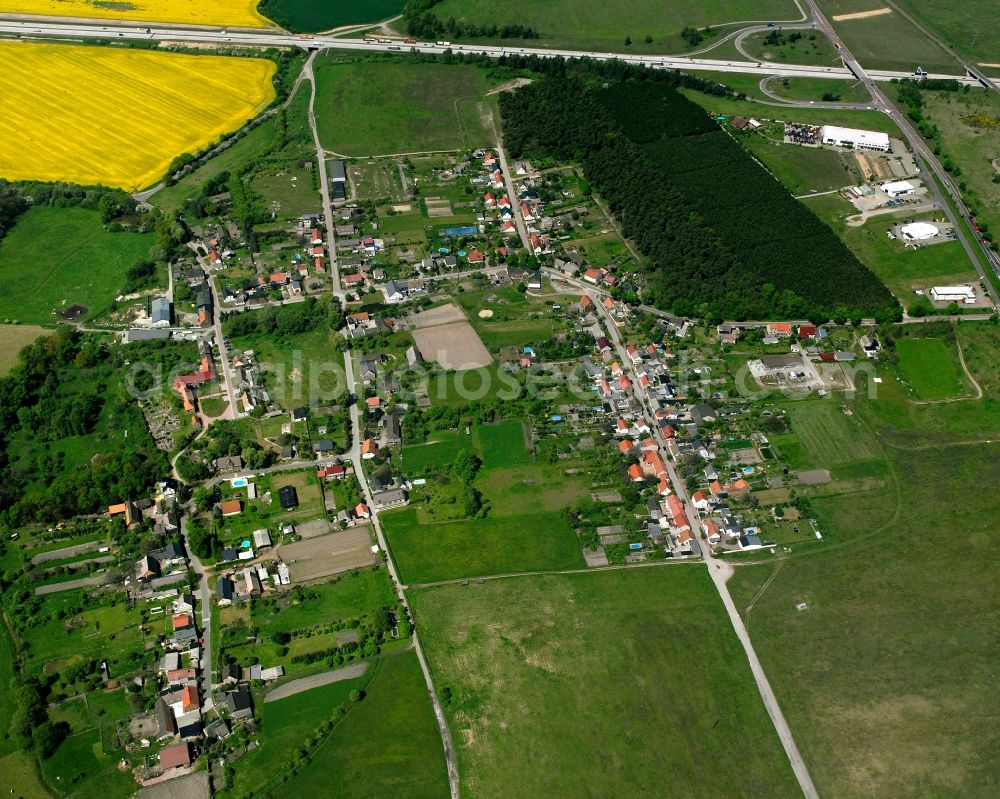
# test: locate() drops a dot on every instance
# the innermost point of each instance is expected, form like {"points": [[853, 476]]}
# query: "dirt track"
{"points": [[875, 12], [326, 555], [315, 681], [454, 346]]}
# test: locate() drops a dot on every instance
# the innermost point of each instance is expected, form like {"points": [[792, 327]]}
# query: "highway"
{"points": [[80, 30]]}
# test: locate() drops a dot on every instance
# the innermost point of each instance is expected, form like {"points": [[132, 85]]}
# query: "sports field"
{"points": [[387, 745], [312, 16], [602, 26], [619, 683], [866, 673], [238, 13], [57, 258], [930, 366], [131, 112], [382, 108]]}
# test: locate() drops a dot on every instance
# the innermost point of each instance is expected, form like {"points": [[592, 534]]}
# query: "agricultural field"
{"points": [[886, 41], [237, 13], [970, 27], [13, 338], [519, 662], [368, 109], [595, 25], [980, 345], [387, 745], [930, 366], [52, 88], [894, 603], [305, 16], [62, 261]]}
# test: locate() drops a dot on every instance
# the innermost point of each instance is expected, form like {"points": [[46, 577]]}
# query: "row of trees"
{"points": [[298, 317], [425, 24]]}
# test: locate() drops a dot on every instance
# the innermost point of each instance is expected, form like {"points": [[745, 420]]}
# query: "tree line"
{"points": [[425, 24]]}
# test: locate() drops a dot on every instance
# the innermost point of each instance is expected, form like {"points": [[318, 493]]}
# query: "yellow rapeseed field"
{"points": [[237, 13], [117, 117]]}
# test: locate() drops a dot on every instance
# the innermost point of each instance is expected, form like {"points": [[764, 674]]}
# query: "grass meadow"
{"points": [[615, 683], [901, 594], [371, 108], [55, 258], [94, 91], [14, 338], [801, 169], [886, 41], [813, 49], [387, 745], [600, 26], [970, 27], [930, 366]]}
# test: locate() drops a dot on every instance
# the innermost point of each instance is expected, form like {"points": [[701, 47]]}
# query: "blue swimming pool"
{"points": [[238, 482]]}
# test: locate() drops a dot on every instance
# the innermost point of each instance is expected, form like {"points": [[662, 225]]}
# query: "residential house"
{"points": [[232, 507], [779, 329], [239, 704], [176, 756]]}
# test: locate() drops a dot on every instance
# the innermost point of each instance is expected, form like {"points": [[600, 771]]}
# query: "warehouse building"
{"points": [[898, 188], [338, 180], [919, 231], [965, 294], [855, 139]]}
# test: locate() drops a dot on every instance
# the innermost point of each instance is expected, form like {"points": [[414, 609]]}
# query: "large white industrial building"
{"points": [[898, 188], [856, 139], [964, 294], [919, 231]]}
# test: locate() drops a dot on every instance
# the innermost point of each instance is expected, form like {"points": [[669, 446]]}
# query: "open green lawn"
{"points": [[285, 725], [14, 338], [473, 547], [81, 768], [822, 435], [380, 108], [801, 169], [417, 459], [312, 16], [887, 41], [388, 745], [21, 775], [110, 631], [55, 258], [866, 673], [930, 366], [600, 26], [620, 683], [819, 90], [287, 191], [501, 444], [352, 594], [980, 345]]}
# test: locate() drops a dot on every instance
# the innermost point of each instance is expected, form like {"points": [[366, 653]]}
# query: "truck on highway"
{"points": [[443, 44], [409, 41]]}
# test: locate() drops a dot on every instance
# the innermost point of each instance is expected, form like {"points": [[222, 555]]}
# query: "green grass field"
{"points": [[285, 726], [81, 768], [980, 345], [867, 39], [55, 258], [310, 16], [815, 89], [388, 745], [476, 547], [502, 444], [866, 674], [930, 366], [288, 191], [14, 338], [801, 169], [594, 25], [622, 683], [418, 458], [381, 108], [352, 594]]}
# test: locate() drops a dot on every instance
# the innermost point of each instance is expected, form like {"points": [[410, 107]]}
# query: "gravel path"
{"points": [[305, 683]]}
